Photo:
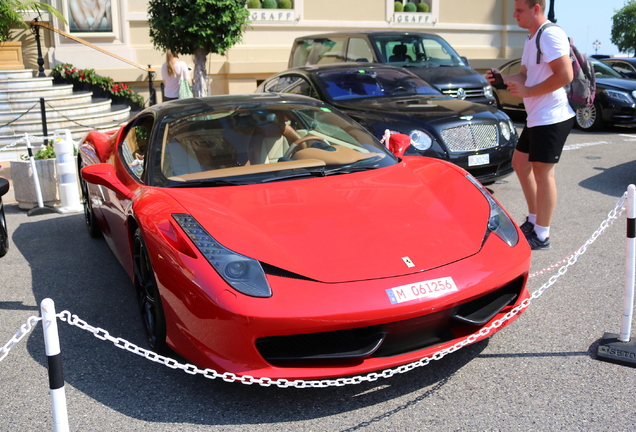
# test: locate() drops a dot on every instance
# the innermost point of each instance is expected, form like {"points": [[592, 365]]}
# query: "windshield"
{"points": [[342, 84], [416, 50], [601, 70], [262, 142]]}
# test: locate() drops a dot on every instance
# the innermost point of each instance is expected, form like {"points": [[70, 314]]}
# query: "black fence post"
{"points": [[151, 87], [45, 131]]}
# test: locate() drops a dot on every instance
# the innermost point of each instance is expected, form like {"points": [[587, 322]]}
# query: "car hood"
{"points": [[348, 227], [449, 76], [425, 108], [616, 83]]}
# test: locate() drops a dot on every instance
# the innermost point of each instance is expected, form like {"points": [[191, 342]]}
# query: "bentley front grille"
{"points": [[470, 137]]}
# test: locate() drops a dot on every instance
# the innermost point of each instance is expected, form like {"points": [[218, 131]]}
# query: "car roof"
{"points": [[346, 66], [369, 33]]}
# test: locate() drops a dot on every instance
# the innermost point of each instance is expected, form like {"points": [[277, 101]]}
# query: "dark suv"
{"points": [[425, 54]]}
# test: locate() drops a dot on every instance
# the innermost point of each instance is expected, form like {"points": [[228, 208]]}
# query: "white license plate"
{"points": [[421, 290], [475, 160]]}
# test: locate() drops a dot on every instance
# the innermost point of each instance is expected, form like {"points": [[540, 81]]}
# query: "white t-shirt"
{"points": [[171, 83], [552, 107]]}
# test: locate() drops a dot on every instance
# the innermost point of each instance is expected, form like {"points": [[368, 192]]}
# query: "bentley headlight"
{"points": [[498, 222], [420, 140], [244, 274], [504, 126]]}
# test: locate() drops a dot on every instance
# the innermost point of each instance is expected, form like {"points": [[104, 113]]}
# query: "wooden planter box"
{"points": [[11, 56]]}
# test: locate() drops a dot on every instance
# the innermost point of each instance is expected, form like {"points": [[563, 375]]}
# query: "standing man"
{"points": [[549, 116]]}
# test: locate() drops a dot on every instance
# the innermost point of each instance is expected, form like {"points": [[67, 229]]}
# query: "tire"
{"points": [[92, 226], [148, 298], [589, 118], [4, 232]]}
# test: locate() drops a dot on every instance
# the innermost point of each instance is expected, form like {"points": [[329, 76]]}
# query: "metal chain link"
{"points": [[191, 369], [19, 117], [24, 330]]}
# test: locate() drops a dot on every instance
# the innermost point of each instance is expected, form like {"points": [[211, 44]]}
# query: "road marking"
{"points": [[578, 146]]}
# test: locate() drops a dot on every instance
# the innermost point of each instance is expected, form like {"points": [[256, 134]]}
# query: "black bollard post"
{"points": [[151, 87], [45, 131]]}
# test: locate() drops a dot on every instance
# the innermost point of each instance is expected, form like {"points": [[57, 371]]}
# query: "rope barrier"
{"points": [[191, 369]]}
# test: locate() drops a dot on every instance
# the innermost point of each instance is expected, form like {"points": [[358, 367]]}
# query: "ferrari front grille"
{"points": [[390, 339], [471, 137]]}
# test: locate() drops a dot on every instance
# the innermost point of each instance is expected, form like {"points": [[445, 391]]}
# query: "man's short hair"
{"points": [[541, 4]]}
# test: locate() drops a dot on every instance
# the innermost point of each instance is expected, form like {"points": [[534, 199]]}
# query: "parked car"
{"points": [[4, 232], [625, 66], [615, 102], [427, 55], [478, 138], [271, 235]]}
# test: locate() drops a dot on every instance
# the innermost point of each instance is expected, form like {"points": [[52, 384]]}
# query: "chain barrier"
{"points": [[25, 329], [191, 369], [70, 119], [19, 117]]}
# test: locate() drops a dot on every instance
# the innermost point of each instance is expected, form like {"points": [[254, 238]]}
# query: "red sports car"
{"points": [[271, 235]]}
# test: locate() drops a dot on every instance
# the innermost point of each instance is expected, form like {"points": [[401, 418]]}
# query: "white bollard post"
{"points": [[36, 179], [628, 304], [67, 173], [54, 359]]}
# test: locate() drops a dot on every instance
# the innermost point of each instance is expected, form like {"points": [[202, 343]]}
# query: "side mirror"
{"points": [[104, 174], [398, 143], [4, 186], [465, 60]]}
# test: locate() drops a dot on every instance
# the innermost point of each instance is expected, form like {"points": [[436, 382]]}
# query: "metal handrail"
{"points": [[36, 24]]}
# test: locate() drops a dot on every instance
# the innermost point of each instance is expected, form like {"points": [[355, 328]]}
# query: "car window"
{"points": [[260, 142], [358, 50], [601, 70], [512, 68], [362, 83], [293, 84], [133, 147], [418, 50], [621, 67], [319, 51]]}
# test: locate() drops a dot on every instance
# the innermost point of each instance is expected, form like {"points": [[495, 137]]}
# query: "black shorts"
{"points": [[545, 143]]}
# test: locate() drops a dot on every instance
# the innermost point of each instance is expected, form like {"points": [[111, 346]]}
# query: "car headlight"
{"points": [[421, 140], [498, 222], [488, 92], [504, 126], [619, 96], [242, 273]]}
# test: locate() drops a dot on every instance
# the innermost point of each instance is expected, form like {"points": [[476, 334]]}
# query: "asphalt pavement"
{"points": [[538, 374]]}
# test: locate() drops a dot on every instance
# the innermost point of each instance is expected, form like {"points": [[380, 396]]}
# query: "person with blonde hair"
{"points": [[171, 72]]}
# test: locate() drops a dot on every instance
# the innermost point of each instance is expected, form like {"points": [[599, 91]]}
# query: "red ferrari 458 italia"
{"points": [[273, 236]]}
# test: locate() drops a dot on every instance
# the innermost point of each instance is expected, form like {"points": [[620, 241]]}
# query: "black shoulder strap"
{"points": [[538, 39]]}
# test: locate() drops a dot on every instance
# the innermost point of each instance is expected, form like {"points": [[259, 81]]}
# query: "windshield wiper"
{"points": [[296, 174], [209, 182]]}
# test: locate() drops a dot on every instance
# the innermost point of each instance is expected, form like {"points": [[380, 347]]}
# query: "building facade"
{"points": [[483, 31]]}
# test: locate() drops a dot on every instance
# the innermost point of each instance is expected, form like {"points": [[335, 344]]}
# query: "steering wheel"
{"points": [[298, 144]]}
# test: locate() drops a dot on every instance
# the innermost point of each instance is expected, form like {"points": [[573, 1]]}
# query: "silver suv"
{"points": [[425, 54]]}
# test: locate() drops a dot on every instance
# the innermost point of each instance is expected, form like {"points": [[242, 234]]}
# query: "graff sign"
{"points": [[272, 15], [413, 18]]}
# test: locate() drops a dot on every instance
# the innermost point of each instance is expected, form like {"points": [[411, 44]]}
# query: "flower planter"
{"points": [[24, 183]]}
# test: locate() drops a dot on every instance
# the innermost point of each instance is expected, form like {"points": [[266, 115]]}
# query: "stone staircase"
{"points": [[20, 111]]}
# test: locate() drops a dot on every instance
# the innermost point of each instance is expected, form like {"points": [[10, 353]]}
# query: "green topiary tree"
{"points": [[269, 4], [423, 7], [197, 27], [398, 7], [254, 4], [410, 7], [285, 4]]}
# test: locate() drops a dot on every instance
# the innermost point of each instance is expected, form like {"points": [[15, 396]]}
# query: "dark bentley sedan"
{"points": [[614, 104], [387, 100]]}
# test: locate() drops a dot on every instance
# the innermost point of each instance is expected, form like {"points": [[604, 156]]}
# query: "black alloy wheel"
{"points": [[89, 217], [4, 232], [148, 296]]}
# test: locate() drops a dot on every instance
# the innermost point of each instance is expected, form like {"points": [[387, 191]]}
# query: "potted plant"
{"points": [[11, 15], [24, 183]]}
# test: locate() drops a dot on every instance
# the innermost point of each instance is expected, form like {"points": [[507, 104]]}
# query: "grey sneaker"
{"points": [[536, 244], [527, 227]]}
